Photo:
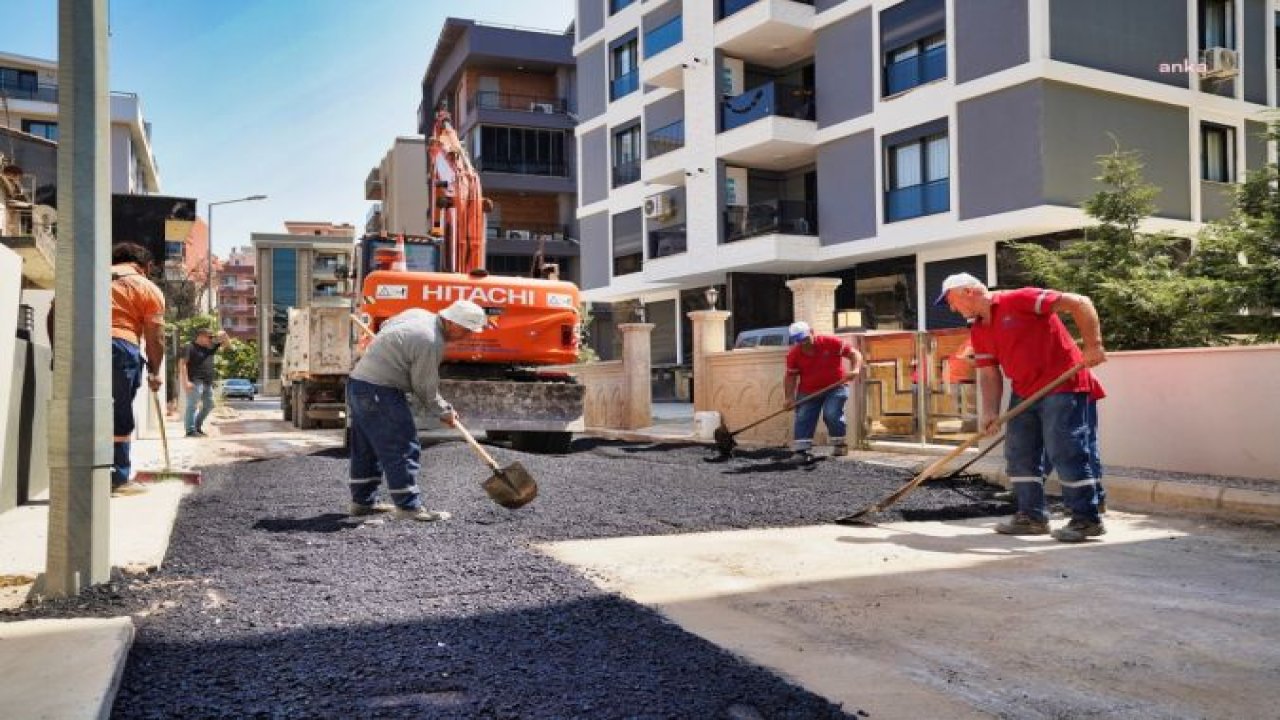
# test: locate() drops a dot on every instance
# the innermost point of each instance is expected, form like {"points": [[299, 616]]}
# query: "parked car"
{"points": [[238, 388], [762, 337]]}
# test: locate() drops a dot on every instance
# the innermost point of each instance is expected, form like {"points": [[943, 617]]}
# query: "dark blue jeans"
{"points": [[126, 378], [831, 408], [384, 443], [1061, 430]]}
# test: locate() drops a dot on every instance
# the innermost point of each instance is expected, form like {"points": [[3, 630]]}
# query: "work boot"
{"points": [[128, 488], [421, 514], [1023, 524], [360, 510], [803, 457], [839, 451], [1079, 530]]}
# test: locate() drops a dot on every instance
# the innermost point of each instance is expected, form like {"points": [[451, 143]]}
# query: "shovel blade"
{"points": [[724, 440], [511, 487]]}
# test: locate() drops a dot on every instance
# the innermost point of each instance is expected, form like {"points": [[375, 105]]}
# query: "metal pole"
{"points": [[80, 427], [208, 279]]}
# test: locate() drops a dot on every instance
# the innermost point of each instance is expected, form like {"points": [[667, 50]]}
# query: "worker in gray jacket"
{"points": [[403, 358]]}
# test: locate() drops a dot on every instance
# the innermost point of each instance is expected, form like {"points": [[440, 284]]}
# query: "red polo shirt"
{"points": [[824, 367], [1030, 343]]}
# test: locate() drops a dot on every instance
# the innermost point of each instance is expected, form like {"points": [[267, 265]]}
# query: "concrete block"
{"points": [[1255, 503], [36, 656], [705, 424]]}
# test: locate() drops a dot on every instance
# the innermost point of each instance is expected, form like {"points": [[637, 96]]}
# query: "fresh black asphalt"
{"points": [[273, 603]]}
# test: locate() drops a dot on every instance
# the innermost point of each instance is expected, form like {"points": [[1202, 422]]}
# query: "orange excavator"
{"points": [[501, 379]]}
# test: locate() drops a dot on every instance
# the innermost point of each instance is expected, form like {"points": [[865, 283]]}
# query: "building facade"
{"points": [[238, 294], [511, 93], [307, 265], [399, 185], [740, 143]]}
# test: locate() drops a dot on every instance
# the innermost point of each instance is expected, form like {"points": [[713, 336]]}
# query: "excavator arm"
{"points": [[457, 205]]}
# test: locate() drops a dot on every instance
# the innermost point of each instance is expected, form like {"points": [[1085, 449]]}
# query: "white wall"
{"points": [[1202, 410]]}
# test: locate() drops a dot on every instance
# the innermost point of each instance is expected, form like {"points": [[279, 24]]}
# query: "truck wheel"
{"points": [[286, 404], [304, 420]]}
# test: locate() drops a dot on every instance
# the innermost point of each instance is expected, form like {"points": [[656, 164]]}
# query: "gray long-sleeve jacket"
{"points": [[406, 355]]}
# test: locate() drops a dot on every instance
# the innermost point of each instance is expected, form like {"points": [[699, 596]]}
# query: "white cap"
{"points": [[467, 314], [798, 330], [959, 280]]}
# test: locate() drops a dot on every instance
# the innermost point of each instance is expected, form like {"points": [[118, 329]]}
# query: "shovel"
{"points": [[512, 486], [895, 496], [190, 477], [724, 439]]}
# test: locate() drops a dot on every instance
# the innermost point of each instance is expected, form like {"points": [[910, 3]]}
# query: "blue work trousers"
{"points": [[1059, 431], [126, 378], [831, 408], [384, 443]]}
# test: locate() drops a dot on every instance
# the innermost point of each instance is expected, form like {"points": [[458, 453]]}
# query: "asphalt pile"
{"points": [[273, 603]]}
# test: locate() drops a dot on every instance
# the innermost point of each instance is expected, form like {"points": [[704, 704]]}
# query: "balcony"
{"points": [[771, 33], [545, 168], [770, 217], [485, 100], [626, 173], [624, 85], [664, 161], [770, 127], [39, 92], [913, 71], [662, 66], [29, 232], [664, 37], [918, 200]]}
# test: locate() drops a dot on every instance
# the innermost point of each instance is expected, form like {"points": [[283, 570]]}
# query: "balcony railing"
{"points": [[725, 8], [486, 100], [42, 92], [529, 232], [626, 173], [664, 139], [772, 98], [905, 74], [788, 217], [668, 241], [624, 84], [664, 36], [917, 200], [522, 167]]}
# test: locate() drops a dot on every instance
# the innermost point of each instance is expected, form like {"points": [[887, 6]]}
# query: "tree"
{"points": [[239, 359], [1140, 283]]}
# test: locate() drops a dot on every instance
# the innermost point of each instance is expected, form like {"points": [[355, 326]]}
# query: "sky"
{"points": [[293, 99]]}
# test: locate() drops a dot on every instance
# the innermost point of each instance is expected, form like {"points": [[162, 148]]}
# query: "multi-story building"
{"points": [[511, 94], [399, 185], [238, 294], [307, 265], [740, 143]]}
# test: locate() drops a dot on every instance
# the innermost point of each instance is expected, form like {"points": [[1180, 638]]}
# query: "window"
{"points": [[616, 6], [1217, 153], [627, 243], [913, 44], [623, 68], [19, 83], [915, 64], [1217, 24], [526, 151], [626, 155], [918, 173], [46, 130]]}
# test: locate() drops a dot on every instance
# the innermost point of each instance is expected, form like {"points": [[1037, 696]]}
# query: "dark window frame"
{"points": [[934, 189], [924, 69], [626, 171], [41, 128], [1227, 37], [624, 53], [1218, 173]]}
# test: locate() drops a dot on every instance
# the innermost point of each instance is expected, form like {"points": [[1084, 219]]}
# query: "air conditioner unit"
{"points": [[547, 108], [657, 207], [1220, 62], [518, 235]]}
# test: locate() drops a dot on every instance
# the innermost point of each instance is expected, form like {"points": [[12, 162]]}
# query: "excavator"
{"points": [[503, 379]]}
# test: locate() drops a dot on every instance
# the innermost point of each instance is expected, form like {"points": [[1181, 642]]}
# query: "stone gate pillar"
{"points": [[637, 388], [708, 337], [814, 301]]}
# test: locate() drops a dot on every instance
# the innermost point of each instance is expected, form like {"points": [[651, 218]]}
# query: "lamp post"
{"points": [[209, 255]]}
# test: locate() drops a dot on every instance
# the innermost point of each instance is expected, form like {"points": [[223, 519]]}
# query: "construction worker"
{"points": [[1017, 333], [814, 362], [403, 358], [137, 314]]}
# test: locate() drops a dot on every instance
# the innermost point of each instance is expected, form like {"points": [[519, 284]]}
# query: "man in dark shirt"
{"points": [[195, 368]]}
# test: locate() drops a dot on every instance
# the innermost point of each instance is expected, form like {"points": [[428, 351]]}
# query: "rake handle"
{"points": [[164, 434]]}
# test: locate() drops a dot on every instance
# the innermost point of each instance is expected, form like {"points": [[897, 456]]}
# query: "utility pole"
{"points": [[80, 427]]}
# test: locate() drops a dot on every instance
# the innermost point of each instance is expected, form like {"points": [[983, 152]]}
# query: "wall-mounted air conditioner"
{"points": [[547, 108], [518, 235], [658, 207], [1220, 63]]}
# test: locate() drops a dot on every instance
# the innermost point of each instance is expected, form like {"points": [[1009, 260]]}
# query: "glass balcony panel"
{"points": [[664, 36], [789, 217], [626, 173], [665, 139], [522, 167], [624, 85], [487, 100], [916, 70], [764, 100], [917, 200]]}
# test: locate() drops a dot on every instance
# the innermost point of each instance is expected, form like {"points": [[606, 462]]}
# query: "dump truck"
{"points": [[314, 368]]}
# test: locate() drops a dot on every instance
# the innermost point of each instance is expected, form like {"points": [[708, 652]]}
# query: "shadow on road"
{"points": [[326, 523]]}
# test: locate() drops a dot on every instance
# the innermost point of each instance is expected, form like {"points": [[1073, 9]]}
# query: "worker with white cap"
{"points": [[403, 358], [813, 363]]}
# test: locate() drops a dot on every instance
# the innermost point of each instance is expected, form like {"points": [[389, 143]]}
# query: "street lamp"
{"points": [[209, 255]]}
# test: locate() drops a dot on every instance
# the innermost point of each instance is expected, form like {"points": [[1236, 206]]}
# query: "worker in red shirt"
{"points": [[814, 362], [1018, 334]]}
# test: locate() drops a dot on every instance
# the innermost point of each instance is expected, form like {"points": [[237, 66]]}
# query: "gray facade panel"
{"points": [[990, 36], [521, 118], [1216, 200], [593, 83], [999, 152], [597, 258], [847, 189], [844, 63], [594, 167], [590, 17], [821, 5], [664, 112], [1255, 145], [1078, 127], [1131, 38], [498, 43], [1257, 21]]}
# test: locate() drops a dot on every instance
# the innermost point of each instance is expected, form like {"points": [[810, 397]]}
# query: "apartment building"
{"points": [[511, 92], [399, 185], [308, 264], [736, 144], [238, 294]]}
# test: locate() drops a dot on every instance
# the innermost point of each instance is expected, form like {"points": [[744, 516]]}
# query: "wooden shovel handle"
{"points": [[466, 434], [164, 434], [793, 405]]}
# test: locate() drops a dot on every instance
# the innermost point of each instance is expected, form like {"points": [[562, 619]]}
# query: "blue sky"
{"points": [[293, 99]]}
